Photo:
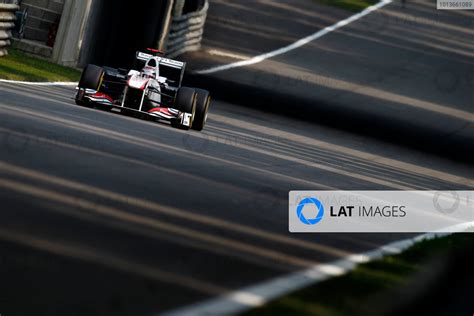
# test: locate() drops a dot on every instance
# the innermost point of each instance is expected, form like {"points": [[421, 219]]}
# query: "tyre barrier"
{"points": [[7, 23], [186, 32]]}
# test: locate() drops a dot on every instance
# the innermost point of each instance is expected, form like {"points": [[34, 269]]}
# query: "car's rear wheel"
{"points": [[203, 100], [91, 78], [186, 102]]}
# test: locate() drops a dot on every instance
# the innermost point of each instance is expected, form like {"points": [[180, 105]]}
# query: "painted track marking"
{"points": [[259, 58], [258, 294]]}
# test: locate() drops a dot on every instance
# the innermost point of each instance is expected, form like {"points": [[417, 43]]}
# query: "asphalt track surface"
{"points": [[403, 75], [106, 214], [103, 213]]}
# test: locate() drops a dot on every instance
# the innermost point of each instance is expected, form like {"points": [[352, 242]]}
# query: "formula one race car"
{"points": [[151, 89]]}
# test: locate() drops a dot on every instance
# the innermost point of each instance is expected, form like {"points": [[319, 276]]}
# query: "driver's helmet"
{"points": [[149, 72]]}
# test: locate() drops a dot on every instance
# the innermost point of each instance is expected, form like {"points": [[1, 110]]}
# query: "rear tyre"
{"points": [[91, 78], [186, 102], [203, 100]]}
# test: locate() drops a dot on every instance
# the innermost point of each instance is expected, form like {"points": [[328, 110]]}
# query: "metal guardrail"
{"points": [[7, 22], [186, 32]]}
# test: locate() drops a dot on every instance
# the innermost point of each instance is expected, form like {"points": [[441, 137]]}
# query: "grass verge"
{"points": [[356, 293], [20, 66], [350, 5]]}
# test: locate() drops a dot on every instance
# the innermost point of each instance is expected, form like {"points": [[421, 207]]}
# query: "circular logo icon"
{"points": [[266, 198], [196, 144], [446, 80], [15, 141], [450, 206], [308, 202]]}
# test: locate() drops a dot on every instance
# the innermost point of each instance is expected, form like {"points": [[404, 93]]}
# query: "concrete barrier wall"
{"points": [[70, 33], [186, 31], [42, 14], [78, 28], [7, 22]]}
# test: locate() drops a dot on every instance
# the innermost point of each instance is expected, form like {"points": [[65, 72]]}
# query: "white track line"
{"points": [[29, 83], [217, 52], [297, 44], [256, 295]]}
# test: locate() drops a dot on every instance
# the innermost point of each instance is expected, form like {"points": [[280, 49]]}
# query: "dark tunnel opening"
{"points": [[117, 29]]}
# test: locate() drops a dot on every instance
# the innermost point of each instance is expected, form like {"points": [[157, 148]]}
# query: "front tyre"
{"points": [[203, 102], [91, 78], [186, 102]]}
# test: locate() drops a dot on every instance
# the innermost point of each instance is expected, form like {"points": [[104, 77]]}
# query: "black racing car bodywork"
{"points": [[152, 88]]}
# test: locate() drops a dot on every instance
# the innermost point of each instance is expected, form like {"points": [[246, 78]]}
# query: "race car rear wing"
{"points": [[171, 69]]}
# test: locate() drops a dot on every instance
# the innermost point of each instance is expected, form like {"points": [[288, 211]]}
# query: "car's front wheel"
{"points": [[91, 78], [186, 102], [203, 101]]}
